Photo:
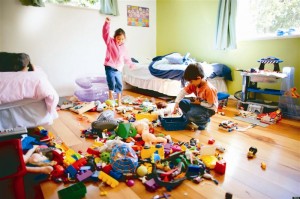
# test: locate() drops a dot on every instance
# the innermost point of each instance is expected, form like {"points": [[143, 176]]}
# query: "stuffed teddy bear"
{"points": [[142, 127]]}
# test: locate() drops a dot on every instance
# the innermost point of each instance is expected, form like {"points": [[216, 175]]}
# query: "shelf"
{"points": [[266, 91]]}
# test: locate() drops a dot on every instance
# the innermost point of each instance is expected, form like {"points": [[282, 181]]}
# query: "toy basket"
{"points": [[174, 124]]}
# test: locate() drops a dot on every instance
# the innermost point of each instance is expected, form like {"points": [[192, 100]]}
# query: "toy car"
{"points": [[228, 125], [252, 151]]}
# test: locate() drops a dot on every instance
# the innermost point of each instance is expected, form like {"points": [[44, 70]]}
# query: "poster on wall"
{"points": [[137, 16]]}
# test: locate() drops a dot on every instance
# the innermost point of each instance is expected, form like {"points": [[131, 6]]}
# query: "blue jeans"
{"points": [[196, 113], [114, 79]]}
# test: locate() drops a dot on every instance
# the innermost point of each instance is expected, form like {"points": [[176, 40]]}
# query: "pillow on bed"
{"points": [[175, 58]]}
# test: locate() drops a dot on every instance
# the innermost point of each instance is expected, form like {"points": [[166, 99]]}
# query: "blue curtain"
{"points": [[109, 7], [226, 34]]}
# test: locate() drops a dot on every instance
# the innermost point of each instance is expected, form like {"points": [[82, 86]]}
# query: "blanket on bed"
{"points": [[172, 67], [16, 86]]}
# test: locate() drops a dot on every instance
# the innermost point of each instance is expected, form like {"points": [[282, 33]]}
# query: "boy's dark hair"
{"points": [[10, 62], [193, 71], [118, 32]]}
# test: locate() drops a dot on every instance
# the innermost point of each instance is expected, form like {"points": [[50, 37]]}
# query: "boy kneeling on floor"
{"points": [[205, 105]]}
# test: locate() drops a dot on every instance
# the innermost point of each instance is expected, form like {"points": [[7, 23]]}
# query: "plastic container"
{"points": [[91, 89], [12, 169], [174, 124]]}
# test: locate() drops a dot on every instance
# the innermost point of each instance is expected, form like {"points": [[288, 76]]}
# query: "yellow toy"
{"points": [[108, 179], [147, 152]]}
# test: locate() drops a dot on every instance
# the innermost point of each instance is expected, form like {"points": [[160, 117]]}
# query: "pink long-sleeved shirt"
{"points": [[116, 55]]}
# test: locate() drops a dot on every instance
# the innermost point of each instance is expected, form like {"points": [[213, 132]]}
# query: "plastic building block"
{"points": [[71, 170], [79, 163], [83, 176], [116, 175], [151, 185], [211, 141], [220, 167], [75, 191], [58, 171], [126, 130], [93, 152], [147, 152], [108, 179], [209, 161]]}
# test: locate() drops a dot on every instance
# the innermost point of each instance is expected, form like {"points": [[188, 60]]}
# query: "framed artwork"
{"points": [[137, 16]]}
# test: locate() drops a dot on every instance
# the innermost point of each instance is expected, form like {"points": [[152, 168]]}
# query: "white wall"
{"points": [[67, 42]]}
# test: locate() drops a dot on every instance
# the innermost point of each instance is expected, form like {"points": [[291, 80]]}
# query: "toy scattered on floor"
{"points": [[65, 103], [228, 195], [91, 89], [263, 165], [77, 190], [210, 177], [123, 159], [228, 125], [165, 196], [270, 118], [142, 127], [252, 152], [83, 107]]}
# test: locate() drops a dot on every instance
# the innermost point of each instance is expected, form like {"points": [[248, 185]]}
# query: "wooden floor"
{"points": [[278, 146]]}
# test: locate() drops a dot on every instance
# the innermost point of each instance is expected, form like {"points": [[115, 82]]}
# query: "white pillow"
{"points": [[175, 58]]}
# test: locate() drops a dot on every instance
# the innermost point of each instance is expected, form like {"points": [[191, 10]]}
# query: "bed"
{"points": [[27, 99], [164, 75]]}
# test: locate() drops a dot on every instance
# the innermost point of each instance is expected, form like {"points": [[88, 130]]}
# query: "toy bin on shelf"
{"points": [[173, 124], [12, 169]]}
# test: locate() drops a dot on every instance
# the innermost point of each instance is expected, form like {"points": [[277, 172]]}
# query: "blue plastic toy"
{"points": [[270, 60]]}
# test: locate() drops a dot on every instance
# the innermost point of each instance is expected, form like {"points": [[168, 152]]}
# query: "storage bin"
{"points": [[12, 169], [173, 124]]}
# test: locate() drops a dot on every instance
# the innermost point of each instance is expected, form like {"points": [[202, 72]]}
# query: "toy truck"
{"points": [[228, 125]]}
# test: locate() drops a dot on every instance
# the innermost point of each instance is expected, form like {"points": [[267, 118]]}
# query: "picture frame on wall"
{"points": [[137, 16]]}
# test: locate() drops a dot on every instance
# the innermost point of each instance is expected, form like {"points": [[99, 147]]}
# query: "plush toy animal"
{"points": [[142, 127]]}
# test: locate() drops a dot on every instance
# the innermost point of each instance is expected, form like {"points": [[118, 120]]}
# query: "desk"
{"points": [[250, 80]]}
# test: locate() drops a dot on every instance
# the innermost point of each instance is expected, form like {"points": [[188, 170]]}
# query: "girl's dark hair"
{"points": [[193, 71], [22, 61], [10, 62], [118, 32]]}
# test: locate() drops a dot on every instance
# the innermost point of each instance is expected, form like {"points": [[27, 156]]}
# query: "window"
{"points": [[267, 18], [95, 4]]}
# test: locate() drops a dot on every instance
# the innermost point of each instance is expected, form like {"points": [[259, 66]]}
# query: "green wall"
{"points": [[189, 26]]}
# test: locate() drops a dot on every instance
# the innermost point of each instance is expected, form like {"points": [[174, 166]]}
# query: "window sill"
{"points": [[270, 37], [71, 6]]}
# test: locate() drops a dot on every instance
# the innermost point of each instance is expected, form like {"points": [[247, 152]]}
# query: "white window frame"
{"points": [[241, 10], [75, 5]]}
